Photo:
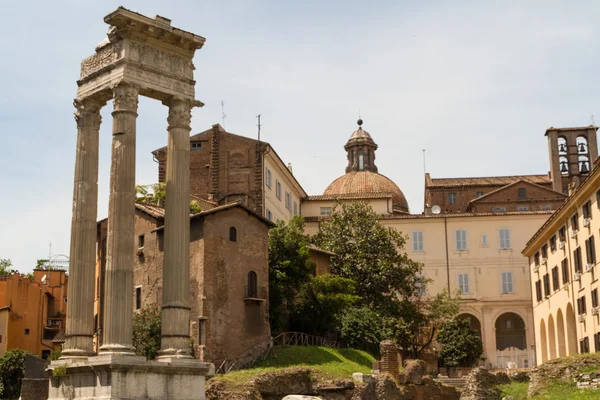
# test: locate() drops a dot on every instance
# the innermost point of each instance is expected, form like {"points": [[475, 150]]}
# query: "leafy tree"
{"points": [[289, 268], [460, 345], [363, 328], [320, 303], [156, 194], [146, 332], [12, 367], [420, 318], [5, 266], [369, 253]]}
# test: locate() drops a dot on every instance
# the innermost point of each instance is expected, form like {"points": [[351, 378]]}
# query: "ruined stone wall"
{"points": [[235, 323]]}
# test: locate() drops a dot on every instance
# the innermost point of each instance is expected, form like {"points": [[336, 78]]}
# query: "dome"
{"points": [[367, 182]]}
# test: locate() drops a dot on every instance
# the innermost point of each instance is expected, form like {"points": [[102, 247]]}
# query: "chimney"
{"points": [[290, 168]]}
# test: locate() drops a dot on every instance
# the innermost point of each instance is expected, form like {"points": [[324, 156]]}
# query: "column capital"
{"points": [[180, 113], [88, 112], [125, 98]]}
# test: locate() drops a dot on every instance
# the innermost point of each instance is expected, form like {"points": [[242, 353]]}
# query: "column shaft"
{"points": [[175, 341], [118, 302], [82, 265]]}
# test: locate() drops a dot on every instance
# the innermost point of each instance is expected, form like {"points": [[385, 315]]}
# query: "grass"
{"points": [[323, 361], [562, 390], [516, 389]]}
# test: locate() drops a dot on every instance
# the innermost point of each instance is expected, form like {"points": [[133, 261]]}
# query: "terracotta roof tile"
{"points": [[351, 196], [430, 216], [488, 181]]}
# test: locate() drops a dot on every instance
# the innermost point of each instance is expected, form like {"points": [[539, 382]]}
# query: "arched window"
{"points": [[562, 146], [564, 165], [584, 164], [252, 285], [582, 145], [232, 234], [361, 160]]}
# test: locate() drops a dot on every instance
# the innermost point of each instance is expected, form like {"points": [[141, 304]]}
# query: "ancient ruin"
{"points": [[148, 57]]}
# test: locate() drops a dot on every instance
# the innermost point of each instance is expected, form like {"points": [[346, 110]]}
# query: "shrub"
{"points": [[146, 332]]}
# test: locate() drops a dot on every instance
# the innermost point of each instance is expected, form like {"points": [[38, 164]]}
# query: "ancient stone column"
{"points": [[118, 301], [175, 335], [82, 266]]}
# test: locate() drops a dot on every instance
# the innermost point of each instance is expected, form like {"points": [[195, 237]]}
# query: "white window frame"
{"points": [[268, 178], [461, 240], [463, 283], [288, 201], [507, 283], [417, 241], [504, 238]]}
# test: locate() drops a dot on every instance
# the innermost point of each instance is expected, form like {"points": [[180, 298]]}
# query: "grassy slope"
{"points": [[326, 362], [559, 389]]}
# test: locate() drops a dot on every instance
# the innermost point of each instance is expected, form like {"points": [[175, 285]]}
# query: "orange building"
{"points": [[32, 313]]}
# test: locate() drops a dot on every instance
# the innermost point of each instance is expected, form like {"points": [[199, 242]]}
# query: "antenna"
{"points": [[593, 123], [424, 165], [223, 115], [258, 117]]}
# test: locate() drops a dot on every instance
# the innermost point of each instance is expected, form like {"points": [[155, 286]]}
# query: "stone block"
{"points": [[360, 377], [300, 397], [129, 377]]}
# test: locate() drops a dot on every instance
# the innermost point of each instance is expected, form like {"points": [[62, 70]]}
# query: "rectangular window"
{"points": [[545, 251], [538, 290], [138, 298], [202, 331], [562, 236], [584, 345], [581, 305], [417, 241], [521, 194], [507, 282], [288, 201], [577, 259], [595, 297], [522, 208], [553, 243], [325, 210], [498, 209], [586, 210], [564, 265], [596, 342], [27, 331], [536, 259], [478, 194], [268, 178], [504, 238], [463, 283], [545, 207], [269, 215], [590, 250], [546, 285], [451, 198], [197, 146], [140, 241], [484, 240], [295, 208], [461, 240], [575, 222], [555, 280], [278, 189]]}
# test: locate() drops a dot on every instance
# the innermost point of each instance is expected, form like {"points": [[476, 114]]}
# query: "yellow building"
{"points": [[32, 313], [469, 238], [564, 278]]}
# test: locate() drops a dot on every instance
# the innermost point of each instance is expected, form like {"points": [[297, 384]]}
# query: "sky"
{"points": [[474, 84]]}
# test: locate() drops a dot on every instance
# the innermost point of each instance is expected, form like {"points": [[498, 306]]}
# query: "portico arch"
{"points": [[475, 324], [571, 330], [551, 337], [510, 332], [543, 342], [560, 334]]}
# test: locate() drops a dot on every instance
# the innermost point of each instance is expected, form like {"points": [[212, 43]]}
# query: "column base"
{"points": [[113, 377], [117, 350]]}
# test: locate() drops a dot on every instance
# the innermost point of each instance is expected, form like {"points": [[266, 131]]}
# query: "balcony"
{"points": [[586, 222], [581, 318], [55, 323], [255, 294]]}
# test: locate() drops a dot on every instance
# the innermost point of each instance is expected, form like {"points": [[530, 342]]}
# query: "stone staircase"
{"points": [[454, 382]]}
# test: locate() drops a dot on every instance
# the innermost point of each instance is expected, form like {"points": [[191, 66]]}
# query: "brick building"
{"points": [[228, 277], [225, 167], [32, 313]]}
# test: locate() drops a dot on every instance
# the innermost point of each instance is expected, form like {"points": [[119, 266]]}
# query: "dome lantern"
{"points": [[361, 151]]}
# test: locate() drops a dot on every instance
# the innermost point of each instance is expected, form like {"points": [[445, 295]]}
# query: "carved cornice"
{"points": [[125, 98], [88, 113]]}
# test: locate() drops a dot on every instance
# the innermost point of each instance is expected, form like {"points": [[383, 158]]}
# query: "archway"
{"points": [[510, 332], [571, 330], [543, 343], [560, 334], [474, 322], [551, 337]]}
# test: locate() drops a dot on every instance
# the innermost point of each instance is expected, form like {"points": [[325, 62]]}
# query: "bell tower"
{"points": [[361, 151], [572, 153]]}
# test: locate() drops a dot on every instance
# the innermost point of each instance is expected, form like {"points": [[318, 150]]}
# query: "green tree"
{"points": [[363, 328], [460, 345], [420, 318], [5, 266], [321, 302], [369, 253], [289, 268], [146, 332], [12, 367]]}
